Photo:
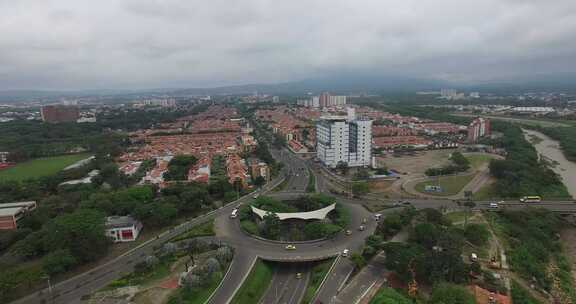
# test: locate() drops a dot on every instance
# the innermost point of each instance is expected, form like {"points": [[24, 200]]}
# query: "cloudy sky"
{"points": [[75, 44]]}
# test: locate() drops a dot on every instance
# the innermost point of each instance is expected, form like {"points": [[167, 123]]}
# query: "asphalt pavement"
{"points": [[247, 248]]}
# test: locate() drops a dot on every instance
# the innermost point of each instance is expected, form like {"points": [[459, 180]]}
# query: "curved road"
{"points": [[247, 248]]}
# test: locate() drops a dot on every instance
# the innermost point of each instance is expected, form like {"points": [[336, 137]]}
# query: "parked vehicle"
{"points": [[290, 247], [234, 213], [345, 252], [494, 206], [362, 228]]}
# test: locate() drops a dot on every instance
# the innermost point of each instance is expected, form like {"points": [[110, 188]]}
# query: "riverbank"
{"points": [[551, 151]]}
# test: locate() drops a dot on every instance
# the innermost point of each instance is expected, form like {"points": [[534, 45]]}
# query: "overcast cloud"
{"points": [[74, 44]]}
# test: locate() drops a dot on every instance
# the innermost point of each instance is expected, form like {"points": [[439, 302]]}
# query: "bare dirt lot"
{"points": [[415, 163]]}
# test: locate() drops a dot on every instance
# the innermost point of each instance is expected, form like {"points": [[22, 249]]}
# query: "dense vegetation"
{"points": [[433, 251], [66, 229], [521, 173], [388, 296], [32, 139], [532, 243], [520, 295], [460, 164], [178, 167]]}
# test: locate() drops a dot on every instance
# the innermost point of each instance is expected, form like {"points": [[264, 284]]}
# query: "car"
{"points": [[345, 252], [348, 232], [493, 206], [290, 247], [299, 275], [406, 203], [234, 213], [377, 216], [364, 221], [362, 228], [255, 196]]}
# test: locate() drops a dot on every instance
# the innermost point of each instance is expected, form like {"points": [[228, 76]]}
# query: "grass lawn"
{"points": [[311, 182], [485, 193], [451, 185], [319, 271], [40, 167], [255, 285], [204, 229], [456, 217], [477, 160]]}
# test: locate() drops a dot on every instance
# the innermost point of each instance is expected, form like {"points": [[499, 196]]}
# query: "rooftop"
{"points": [[120, 221], [10, 211], [319, 214]]}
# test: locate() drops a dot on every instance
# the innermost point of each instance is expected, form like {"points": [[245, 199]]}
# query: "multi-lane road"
{"points": [[248, 248]]}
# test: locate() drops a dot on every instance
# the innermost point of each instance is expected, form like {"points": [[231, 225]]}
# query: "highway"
{"points": [[248, 248], [75, 288], [286, 287]]}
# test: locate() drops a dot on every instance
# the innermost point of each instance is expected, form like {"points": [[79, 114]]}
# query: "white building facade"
{"points": [[122, 228], [344, 139]]}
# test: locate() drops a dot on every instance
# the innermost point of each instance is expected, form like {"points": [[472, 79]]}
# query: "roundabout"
{"points": [[229, 231]]}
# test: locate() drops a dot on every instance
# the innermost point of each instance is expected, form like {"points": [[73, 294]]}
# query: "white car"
{"points": [[494, 206], [345, 252], [234, 213]]}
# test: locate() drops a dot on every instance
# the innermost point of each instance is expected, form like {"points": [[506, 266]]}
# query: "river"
{"points": [[551, 150]]}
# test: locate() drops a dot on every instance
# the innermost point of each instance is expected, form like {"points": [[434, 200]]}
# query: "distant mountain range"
{"points": [[338, 85]]}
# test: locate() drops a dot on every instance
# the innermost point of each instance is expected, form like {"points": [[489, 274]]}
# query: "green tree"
{"points": [[80, 232], [178, 167], [426, 234], [360, 188], [358, 260], [445, 293], [259, 181], [58, 261], [389, 296], [476, 234], [271, 226], [375, 241]]}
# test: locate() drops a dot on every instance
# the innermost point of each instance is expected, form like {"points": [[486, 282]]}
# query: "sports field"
{"points": [[40, 167]]}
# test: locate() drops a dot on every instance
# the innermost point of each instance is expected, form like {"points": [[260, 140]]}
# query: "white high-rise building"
{"points": [[337, 101], [344, 139]]}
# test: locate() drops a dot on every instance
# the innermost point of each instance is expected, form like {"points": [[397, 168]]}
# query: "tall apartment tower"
{"points": [[344, 139], [478, 128], [324, 100]]}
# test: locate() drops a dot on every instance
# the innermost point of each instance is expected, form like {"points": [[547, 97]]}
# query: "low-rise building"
{"points": [[122, 228], [260, 169], [11, 213]]}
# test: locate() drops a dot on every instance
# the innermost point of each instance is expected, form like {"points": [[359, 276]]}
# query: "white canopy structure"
{"points": [[319, 214]]}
